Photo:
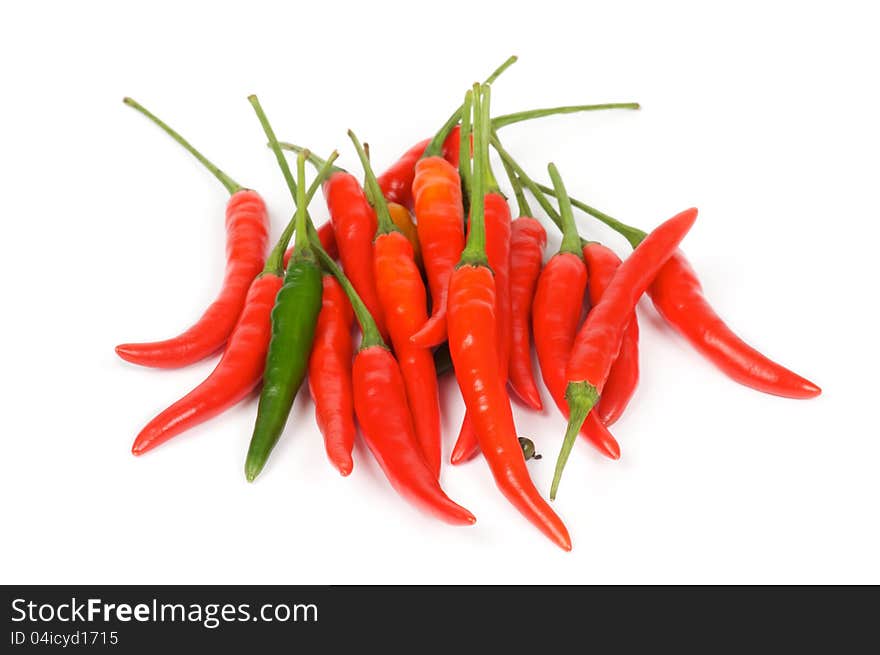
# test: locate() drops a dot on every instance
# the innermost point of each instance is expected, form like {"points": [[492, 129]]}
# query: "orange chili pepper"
{"points": [[404, 302]]}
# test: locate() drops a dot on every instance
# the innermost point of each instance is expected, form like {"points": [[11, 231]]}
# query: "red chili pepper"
{"points": [[497, 225], [527, 242], [558, 302], [396, 182], [472, 325], [598, 341], [678, 297], [440, 223], [556, 314], [383, 413], [330, 375], [354, 224], [238, 372], [247, 229], [240, 369], [527, 245], [623, 378], [404, 304]]}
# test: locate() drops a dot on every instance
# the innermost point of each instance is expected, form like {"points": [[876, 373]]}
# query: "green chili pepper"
{"points": [[293, 324]]}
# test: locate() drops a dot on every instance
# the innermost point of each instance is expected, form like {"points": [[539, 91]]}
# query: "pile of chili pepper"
{"points": [[423, 270]]}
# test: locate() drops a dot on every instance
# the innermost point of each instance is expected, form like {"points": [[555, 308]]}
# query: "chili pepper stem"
{"points": [[474, 252], [530, 185], [275, 261], [521, 202], [632, 234], [436, 143], [369, 330], [312, 158], [435, 147], [231, 185], [581, 397], [374, 194], [464, 150], [301, 247], [571, 240], [509, 119]]}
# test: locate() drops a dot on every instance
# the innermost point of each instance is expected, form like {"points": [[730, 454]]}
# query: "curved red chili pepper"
{"points": [[237, 373], [473, 343], [247, 229], [497, 224], [678, 296], [330, 375], [396, 182], [354, 224], [598, 341], [527, 243], [404, 301], [382, 411], [556, 313], [472, 334], [440, 223], [623, 378]]}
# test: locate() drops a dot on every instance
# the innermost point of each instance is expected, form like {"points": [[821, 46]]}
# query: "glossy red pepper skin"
{"points": [[472, 342], [330, 375], [598, 341], [247, 230], [623, 378], [383, 413], [354, 225], [497, 222], [440, 224], [557, 309], [527, 243], [237, 373], [404, 303], [396, 182], [678, 296]]}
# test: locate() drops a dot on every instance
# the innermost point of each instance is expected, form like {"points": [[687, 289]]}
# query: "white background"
{"points": [[764, 115]]}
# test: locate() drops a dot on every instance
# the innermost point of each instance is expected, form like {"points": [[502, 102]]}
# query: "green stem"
{"points": [[464, 148], [231, 185], [474, 252], [510, 119], [275, 261], [374, 195], [488, 175], [632, 234], [530, 185], [273, 143], [435, 147], [581, 397], [571, 240], [312, 158], [371, 336], [521, 202], [301, 240], [510, 61]]}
